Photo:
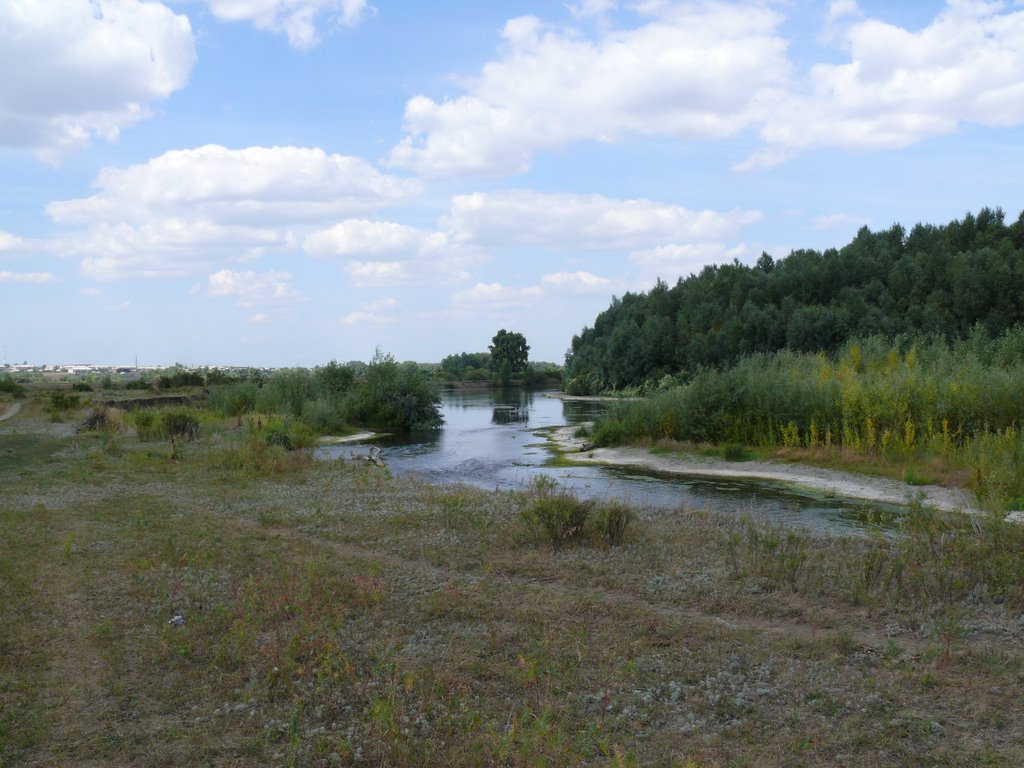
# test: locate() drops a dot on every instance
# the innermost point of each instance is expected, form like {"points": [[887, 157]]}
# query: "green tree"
{"points": [[508, 347]]}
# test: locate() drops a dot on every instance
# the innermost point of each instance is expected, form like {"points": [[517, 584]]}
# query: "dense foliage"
{"points": [[934, 280], [961, 402], [468, 366], [9, 385], [330, 397], [509, 352], [506, 363]]}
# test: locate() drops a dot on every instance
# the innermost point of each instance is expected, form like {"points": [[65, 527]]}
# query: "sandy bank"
{"points": [[833, 482], [356, 438]]}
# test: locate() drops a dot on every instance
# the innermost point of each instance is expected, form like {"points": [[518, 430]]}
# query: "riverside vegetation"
{"points": [[900, 353], [331, 614], [925, 411]]}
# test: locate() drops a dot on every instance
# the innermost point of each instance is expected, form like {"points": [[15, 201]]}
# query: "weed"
{"points": [[615, 518]]}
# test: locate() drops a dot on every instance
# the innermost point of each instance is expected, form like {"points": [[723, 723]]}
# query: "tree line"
{"points": [[935, 281]]}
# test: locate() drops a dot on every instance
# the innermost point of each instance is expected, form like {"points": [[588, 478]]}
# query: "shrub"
{"points": [[145, 424], [556, 515], [179, 423], [615, 519], [62, 401], [9, 385], [286, 433]]}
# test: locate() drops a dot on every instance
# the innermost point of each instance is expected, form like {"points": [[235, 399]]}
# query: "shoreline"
{"points": [[833, 482], [356, 438], [588, 398]]}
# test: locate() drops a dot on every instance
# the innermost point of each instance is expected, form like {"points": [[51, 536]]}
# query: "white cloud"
{"points": [[81, 69], [258, 318], [377, 272], [586, 8], [89, 292], [578, 282], [26, 277], [298, 19], [9, 242], [900, 87], [695, 71], [837, 17], [251, 289], [523, 217], [185, 210], [358, 237], [498, 296]]}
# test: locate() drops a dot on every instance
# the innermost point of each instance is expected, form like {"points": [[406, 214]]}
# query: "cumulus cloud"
{"points": [[595, 222], [183, 211], [300, 20], [251, 289], [692, 71], [358, 237], [900, 86], [82, 69], [26, 277], [709, 70], [376, 252]]}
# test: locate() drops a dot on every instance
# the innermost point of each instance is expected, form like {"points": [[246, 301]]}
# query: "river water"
{"points": [[495, 439]]}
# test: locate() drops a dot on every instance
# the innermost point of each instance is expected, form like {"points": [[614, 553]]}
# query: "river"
{"points": [[496, 439]]}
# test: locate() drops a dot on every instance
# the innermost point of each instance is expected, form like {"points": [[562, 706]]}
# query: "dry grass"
{"points": [[334, 615]]}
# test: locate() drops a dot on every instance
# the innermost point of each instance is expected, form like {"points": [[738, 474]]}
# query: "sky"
{"points": [[288, 182]]}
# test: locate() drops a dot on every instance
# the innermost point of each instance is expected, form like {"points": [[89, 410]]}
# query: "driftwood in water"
{"points": [[373, 457]]}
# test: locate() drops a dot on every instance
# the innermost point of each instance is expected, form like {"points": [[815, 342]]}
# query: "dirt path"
{"points": [[829, 481], [10, 412]]}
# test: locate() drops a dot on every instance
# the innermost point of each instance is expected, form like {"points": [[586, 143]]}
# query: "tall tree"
{"points": [[511, 348]]}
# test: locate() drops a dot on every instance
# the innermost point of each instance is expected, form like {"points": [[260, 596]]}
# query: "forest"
{"points": [[938, 282]]}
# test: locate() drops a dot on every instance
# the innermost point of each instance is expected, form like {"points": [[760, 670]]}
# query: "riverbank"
{"points": [[359, 437], [828, 481], [588, 398], [280, 610]]}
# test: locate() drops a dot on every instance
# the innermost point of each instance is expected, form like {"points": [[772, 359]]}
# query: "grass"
{"points": [[335, 615]]}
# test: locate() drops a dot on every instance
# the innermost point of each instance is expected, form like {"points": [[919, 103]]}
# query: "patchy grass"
{"points": [[335, 615]]}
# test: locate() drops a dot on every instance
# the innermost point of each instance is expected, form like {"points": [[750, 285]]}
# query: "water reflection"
{"points": [[495, 439]]}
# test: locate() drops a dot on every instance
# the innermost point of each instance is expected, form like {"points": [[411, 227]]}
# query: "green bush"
{"points": [[178, 423], [145, 424], [9, 385], [556, 515], [62, 401], [283, 432]]}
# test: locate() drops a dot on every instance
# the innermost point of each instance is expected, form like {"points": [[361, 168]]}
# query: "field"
{"points": [[331, 614]]}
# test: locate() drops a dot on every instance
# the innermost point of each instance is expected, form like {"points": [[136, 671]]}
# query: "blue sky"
{"points": [[286, 182]]}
